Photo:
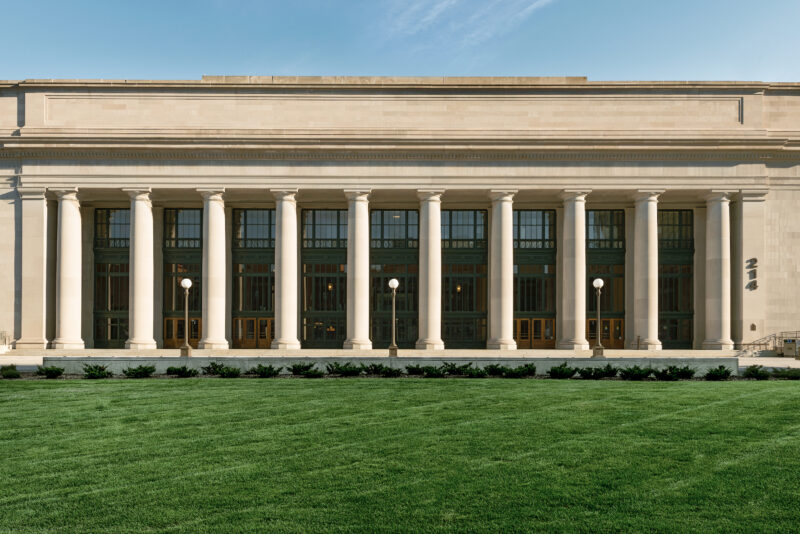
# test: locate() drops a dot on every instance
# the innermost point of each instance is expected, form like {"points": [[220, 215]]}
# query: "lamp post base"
{"points": [[393, 351], [186, 350], [597, 352]]}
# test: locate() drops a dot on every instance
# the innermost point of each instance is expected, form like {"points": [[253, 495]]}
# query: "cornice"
{"points": [[443, 154]]}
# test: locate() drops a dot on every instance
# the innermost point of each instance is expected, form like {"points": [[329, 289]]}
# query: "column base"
{"points": [[718, 344], [31, 344], [429, 344], [355, 344], [285, 344], [140, 345], [68, 344], [501, 344], [573, 344], [651, 344], [221, 344]]}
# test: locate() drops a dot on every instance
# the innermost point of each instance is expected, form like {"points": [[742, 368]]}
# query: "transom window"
{"points": [[183, 228], [463, 229], [534, 229], [676, 229], [325, 229], [394, 229], [605, 229], [112, 228], [253, 228]]}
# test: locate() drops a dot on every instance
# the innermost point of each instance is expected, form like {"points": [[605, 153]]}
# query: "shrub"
{"points": [[787, 374], [449, 368], [635, 373], [50, 372], [520, 372], [756, 372], [562, 371], [668, 374], [312, 373], [229, 372], [376, 369], [431, 371], [96, 371], [596, 373], [685, 372], [495, 369], [213, 368], [343, 369], [299, 368], [414, 370], [474, 372], [9, 371], [718, 373], [182, 372], [142, 371], [388, 372], [265, 371]]}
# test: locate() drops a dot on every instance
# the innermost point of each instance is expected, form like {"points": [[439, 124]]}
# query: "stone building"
{"points": [[290, 203]]}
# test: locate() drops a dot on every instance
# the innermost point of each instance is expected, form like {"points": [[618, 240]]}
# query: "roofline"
{"points": [[432, 82]]}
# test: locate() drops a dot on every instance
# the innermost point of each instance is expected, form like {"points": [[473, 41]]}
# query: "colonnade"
{"points": [[572, 243]]}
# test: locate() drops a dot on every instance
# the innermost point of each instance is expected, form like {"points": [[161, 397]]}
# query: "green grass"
{"points": [[375, 455]]}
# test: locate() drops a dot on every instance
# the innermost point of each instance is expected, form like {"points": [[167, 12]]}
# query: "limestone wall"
{"points": [[782, 267]]}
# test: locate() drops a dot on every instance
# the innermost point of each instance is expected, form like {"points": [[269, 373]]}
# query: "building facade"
{"points": [[291, 202]]}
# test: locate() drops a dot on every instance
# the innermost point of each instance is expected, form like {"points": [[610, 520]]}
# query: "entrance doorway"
{"points": [[612, 332], [174, 333], [535, 332], [253, 332]]}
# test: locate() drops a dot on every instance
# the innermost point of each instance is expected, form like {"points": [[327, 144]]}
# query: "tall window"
{"points": [[111, 277], [676, 278], [605, 258], [534, 229], [253, 229], [605, 229], [183, 248], [393, 229], [464, 229], [325, 229]]}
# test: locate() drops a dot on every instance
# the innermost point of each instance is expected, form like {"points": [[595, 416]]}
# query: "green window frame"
{"points": [[605, 229], [535, 289], [325, 229], [464, 229], [534, 229], [675, 230], [112, 228], [393, 229], [183, 228], [253, 229]]}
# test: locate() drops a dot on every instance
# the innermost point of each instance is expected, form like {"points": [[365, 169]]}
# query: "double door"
{"points": [[535, 332], [612, 332], [174, 332], [253, 332]]}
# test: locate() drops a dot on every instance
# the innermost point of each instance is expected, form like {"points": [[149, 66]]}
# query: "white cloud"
{"points": [[465, 23]]}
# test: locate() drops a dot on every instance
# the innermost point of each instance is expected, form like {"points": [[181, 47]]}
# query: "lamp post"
{"points": [[393, 284], [186, 349], [597, 352]]}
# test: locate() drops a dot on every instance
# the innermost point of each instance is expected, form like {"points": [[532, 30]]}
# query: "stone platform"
{"points": [[117, 360]]}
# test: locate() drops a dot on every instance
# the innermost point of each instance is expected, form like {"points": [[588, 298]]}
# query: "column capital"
{"points": [[578, 195], [502, 195], [647, 195], [69, 193], [430, 195], [753, 195], [138, 193], [31, 193], [359, 195], [284, 194], [718, 195], [212, 194]]}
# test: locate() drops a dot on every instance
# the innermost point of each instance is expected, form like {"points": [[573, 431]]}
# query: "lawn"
{"points": [[402, 455]]}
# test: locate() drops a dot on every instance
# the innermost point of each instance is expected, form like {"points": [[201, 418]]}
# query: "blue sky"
{"points": [[601, 39]]}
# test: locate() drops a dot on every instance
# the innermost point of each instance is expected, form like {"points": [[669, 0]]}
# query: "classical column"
{"points": [[68, 272], [645, 269], [430, 271], [718, 272], [33, 302], [140, 300], [573, 293], [501, 322], [285, 270], [214, 271], [357, 270]]}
